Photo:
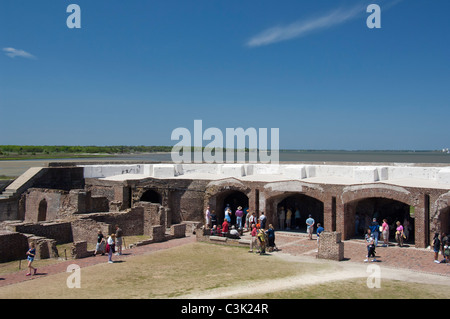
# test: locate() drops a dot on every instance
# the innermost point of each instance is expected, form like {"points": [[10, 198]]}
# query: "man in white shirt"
{"points": [[207, 218], [310, 226]]}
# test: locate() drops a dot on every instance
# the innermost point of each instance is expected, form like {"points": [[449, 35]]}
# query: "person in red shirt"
{"points": [[253, 239], [225, 227]]}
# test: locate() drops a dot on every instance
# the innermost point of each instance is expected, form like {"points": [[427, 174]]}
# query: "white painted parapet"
{"points": [[351, 174]]}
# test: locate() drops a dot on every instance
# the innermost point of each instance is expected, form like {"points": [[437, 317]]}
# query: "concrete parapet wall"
{"points": [[356, 172]]}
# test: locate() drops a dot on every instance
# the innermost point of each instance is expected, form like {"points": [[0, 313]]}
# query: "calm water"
{"points": [[16, 168]]}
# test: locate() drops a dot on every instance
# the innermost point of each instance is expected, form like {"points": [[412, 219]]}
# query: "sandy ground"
{"points": [[349, 270]]}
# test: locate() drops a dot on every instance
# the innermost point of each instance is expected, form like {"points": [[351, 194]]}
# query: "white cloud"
{"points": [[12, 53], [301, 28]]}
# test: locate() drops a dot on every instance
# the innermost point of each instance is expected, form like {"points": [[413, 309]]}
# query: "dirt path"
{"points": [[340, 271]]}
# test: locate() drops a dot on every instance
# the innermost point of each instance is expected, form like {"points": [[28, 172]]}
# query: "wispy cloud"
{"points": [[12, 53], [301, 28]]}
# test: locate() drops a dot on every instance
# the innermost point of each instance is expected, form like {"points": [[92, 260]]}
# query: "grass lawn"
{"points": [[199, 268], [163, 274], [357, 289]]}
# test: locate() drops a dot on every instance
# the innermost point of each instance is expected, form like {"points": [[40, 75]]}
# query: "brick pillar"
{"points": [[343, 212], [330, 246], [421, 222], [329, 214]]}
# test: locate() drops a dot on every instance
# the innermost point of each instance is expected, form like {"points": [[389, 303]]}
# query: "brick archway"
{"points": [[306, 203], [441, 218], [151, 196], [365, 200], [231, 190]]}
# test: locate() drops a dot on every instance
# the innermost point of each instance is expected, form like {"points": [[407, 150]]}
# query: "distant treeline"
{"points": [[50, 149]]}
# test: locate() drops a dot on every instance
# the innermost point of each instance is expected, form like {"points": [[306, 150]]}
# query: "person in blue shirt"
{"points": [[375, 229], [271, 237], [319, 230], [310, 226], [31, 253]]}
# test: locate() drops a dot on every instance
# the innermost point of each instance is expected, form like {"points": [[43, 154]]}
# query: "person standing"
{"points": [[118, 241], [271, 238], [110, 247], [288, 219], [207, 218], [319, 231], [282, 217], [436, 247], [213, 218], [375, 229], [399, 235], [385, 233], [100, 246], [444, 239], [263, 220], [239, 214], [356, 224], [31, 253], [297, 217], [447, 250], [252, 220], [253, 238], [262, 241], [310, 226], [228, 215], [370, 244]]}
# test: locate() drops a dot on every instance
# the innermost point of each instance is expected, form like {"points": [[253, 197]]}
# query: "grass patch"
{"points": [[357, 289], [202, 267], [170, 273]]}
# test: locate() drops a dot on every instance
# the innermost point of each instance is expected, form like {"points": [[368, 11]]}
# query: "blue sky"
{"points": [[137, 70]]}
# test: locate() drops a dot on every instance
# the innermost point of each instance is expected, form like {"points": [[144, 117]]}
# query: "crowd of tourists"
{"points": [[441, 243], [262, 235], [111, 245]]}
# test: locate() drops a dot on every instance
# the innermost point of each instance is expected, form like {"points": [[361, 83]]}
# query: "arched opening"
{"points": [[231, 199], [151, 196], [363, 211], [42, 211], [299, 205]]}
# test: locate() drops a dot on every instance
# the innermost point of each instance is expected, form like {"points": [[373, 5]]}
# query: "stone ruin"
{"points": [[69, 202]]}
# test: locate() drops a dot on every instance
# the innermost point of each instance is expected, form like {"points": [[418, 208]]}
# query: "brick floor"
{"points": [[407, 257]]}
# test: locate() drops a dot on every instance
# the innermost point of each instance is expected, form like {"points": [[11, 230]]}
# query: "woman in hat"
{"points": [[239, 214]]}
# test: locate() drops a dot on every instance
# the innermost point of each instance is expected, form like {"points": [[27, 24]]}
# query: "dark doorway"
{"points": [[444, 219], [151, 196], [384, 208], [42, 211], [233, 199], [305, 205]]}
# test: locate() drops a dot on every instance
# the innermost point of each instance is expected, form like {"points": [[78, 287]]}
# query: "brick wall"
{"points": [[13, 246], [330, 246]]}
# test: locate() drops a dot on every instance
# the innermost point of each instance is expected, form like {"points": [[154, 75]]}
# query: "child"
{"points": [[30, 257], [436, 247], [370, 243]]}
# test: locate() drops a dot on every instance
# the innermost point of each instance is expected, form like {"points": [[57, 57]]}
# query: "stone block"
{"points": [[365, 174], [163, 170], [233, 170]]}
